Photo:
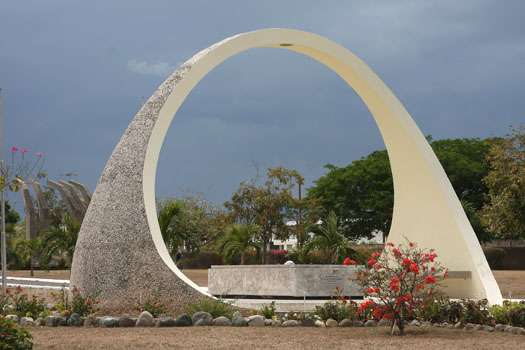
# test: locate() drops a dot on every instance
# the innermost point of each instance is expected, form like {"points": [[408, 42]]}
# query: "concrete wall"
{"points": [[283, 280]]}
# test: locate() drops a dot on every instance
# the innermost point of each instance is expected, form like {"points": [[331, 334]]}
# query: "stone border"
{"points": [[201, 318]]}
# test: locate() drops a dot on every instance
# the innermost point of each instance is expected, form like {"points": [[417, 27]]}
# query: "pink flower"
{"points": [[39, 154], [23, 150], [14, 149]]}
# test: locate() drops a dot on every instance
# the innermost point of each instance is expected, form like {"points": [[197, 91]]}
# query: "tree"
{"points": [[362, 193], [267, 206], [329, 239], [400, 279], [237, 240], [189, 223], [504, 214], [59, 240]]}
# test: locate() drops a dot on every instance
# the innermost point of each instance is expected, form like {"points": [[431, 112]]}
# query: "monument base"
{"points": [[283, 281]]}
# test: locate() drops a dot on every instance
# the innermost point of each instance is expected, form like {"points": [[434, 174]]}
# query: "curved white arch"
{"points": [[426, 209]]}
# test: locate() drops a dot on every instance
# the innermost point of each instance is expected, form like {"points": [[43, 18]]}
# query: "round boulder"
{"points": [[74, 320], [166, 322], [291, 323], [126, 321], [222, 321], [202, 318], [239, 321], [256, 321], [145, 320], [331, 323], [183, 320]]}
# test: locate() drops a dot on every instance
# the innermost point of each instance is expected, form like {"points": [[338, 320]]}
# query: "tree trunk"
{"points": [[242, 258], [264, 250]]}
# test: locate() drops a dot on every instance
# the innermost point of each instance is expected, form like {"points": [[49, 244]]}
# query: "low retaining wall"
{"points": [[290, 281]]}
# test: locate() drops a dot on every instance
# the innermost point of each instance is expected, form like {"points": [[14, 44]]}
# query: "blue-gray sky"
{"points": [[75, 72]]}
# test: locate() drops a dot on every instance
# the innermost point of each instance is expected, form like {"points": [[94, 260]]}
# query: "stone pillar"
{"points": [[31, 216]]}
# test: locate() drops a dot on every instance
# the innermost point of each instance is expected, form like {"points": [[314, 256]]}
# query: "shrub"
{"points": [[79, 304], [516, 316], [476, 311], [337, 310], [22, 305], [13, 336], [214, 307], [200, 260], [441, 309], [400, 278], [4, 304], [268, 311], [500, 313]]}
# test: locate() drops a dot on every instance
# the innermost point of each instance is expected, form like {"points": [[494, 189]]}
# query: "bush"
{"points": [[500, 313], [212, 306], [401, 278], [268, 311], [361, 253], [81, 305], [441, 309], [337, 310], [153, 305], [476, 311], [22, 305], [13, 336], [200, 260], [516, 316]]}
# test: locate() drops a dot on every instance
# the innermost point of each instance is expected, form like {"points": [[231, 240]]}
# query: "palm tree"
{"points": [[238, 239], [169, 210], [329, 239], [59, 239]]}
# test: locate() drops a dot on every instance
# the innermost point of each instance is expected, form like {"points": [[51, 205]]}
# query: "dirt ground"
{"points": [[512, 283], [68, 338]]}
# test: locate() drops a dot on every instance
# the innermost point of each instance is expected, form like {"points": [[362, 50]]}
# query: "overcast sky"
{"points": [[75, 72]]}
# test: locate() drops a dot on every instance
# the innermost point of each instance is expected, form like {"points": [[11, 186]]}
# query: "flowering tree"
{"points": [[12, 176], [20, 168], [398, 280]]}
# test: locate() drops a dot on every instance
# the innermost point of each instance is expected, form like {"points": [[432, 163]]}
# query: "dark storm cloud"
{"points": [[74, 73]]}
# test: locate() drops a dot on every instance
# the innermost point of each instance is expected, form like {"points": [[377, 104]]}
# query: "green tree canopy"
{"points": [[189, 223], [268, 205], [362, 194], [238, 240], [504, 213], [328, 238]]}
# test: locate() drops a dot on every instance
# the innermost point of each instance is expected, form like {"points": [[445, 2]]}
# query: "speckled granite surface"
{"points": [[115, 257]]}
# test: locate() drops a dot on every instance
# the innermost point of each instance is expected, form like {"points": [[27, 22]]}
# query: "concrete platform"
{"points": [[283, 281]]}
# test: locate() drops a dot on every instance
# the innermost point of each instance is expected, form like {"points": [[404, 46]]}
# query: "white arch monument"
{"points": [[121, 257]]}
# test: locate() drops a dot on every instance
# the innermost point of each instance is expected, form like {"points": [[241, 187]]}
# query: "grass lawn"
{"points": [[68, 338], [512, 283]]}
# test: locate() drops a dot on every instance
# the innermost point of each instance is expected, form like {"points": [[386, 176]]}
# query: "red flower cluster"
{"points": [[430, 279], [365, 305], [395, 283], [348, 262], [399, 279], [372, 290]]}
